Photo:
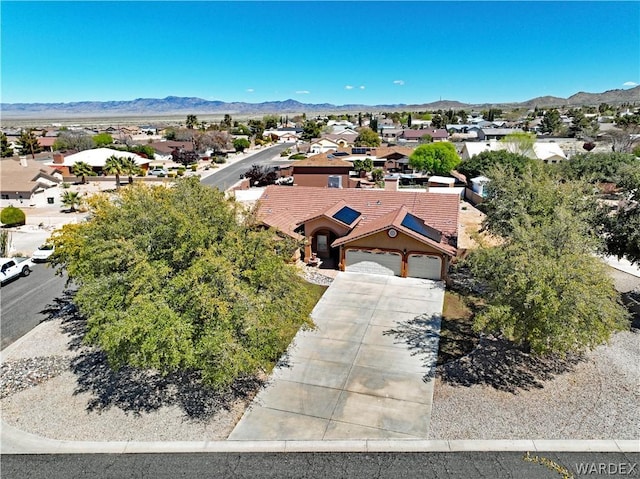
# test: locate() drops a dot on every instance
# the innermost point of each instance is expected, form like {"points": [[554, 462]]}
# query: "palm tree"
{"points": [[82, 170], [71, 199], [114, 166], [130, 168]]}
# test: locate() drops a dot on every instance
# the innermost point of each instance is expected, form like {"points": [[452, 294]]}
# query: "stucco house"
{"points": [[408, 234], [96, 158], [321, 170], [26, 182], [543, 151]]}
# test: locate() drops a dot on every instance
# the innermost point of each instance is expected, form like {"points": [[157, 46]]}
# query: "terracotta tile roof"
{"points": [[322, 159], [285, 208]]}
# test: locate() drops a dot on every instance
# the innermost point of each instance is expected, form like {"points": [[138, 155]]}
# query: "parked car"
{"points": [[13, 267], [42, 253], [155, 171]]}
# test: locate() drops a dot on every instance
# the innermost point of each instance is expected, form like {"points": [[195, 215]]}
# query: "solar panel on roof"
{"points": [[346, 215], [417, 225]]}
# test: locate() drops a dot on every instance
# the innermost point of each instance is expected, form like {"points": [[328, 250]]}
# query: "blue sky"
{"points": [[338, 52]]}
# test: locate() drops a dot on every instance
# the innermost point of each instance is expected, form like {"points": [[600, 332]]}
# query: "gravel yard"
{"points": [[598, 399]]}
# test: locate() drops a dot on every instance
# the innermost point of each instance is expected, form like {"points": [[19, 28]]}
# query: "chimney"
{"points": [[391, 184], [23, 161], [58, 158]]}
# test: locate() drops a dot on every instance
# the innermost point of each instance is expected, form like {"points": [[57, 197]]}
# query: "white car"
{"points": [[42, 253], [158, 172]]}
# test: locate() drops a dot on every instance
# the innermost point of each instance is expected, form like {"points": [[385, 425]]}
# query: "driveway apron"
{"points": [[366, 370]]}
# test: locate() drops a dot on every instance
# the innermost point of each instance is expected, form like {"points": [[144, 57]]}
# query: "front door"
{"points": [[322, 245]]}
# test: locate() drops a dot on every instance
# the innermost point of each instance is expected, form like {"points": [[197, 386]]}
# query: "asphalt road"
{"points": [[471, 465], [25, 301], [230, 175]]}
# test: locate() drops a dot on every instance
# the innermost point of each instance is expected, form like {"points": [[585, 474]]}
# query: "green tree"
{"points": [[373, 124], [257, 128], [114, 166], [437, 121], [622, 224], [363, 165], [367, 137], [170, 279], [310, 130], [226, 121], [241, 144], [527, 199], [71, 199], [82, 169], [5, 150], [550, 121], [270, 122], [103, 139], [192, 121], [482, 163], [520, 142], [434, 158], [545, 291], [28, 143], [12, 216], [596, 167]]}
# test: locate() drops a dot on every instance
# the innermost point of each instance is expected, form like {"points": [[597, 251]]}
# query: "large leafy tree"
{"points": [[522, 200], [192, 121], [435, 158], [481, 163], [82, 169], [545, 291], [622, 225], [310, 130], [596, 167], [171, 279], [367, 137], [28, 143], [241, 144]]}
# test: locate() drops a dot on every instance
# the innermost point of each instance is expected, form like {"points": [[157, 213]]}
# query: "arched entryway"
{"points": [[321, 241]]}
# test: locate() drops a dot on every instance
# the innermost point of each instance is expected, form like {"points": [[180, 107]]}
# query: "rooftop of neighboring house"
{"points": [[97, 157], [286, 208], [21, 174], [323, 160]]}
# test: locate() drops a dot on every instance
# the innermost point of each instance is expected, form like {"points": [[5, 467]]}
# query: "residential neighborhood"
{"points": [[411, 231]]}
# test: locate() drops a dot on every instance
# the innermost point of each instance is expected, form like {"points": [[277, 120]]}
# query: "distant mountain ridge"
{"points": [[192, 105]]}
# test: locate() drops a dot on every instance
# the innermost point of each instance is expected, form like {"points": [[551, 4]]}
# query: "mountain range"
{"points": [[173, 105]]}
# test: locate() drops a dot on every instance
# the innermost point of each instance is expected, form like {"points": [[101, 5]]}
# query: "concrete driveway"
{"points": [[363, 373]]}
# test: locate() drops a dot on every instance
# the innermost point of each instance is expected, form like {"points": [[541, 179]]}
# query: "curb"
{"points": [[14, 441]]}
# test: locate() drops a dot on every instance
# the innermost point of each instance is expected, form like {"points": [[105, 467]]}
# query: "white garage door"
{"points": [[424, 266], [359, 261]]}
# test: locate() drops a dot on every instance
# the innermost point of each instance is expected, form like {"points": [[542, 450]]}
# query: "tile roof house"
{"points": [[410, 135], [374, 231], [543, 151]]}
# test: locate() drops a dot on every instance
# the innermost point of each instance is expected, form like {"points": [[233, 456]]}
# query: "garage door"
{"points": [[424, 266], [359, 261]]}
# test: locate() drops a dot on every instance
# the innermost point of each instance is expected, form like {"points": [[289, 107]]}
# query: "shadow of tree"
{"points": [[136, 390], [505, 366], [140, 391], [421, 334], [493, 362]]}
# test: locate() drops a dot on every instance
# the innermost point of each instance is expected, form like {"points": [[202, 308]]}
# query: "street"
{"points": [[478, 465], [24, 301], [230, 175]]}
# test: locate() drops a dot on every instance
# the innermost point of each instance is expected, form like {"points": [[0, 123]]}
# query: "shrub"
{"points": [[220, 160], [65, 185], [194, 167], [181, 172], [171, 175], [298, 156], [12, 216]]}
